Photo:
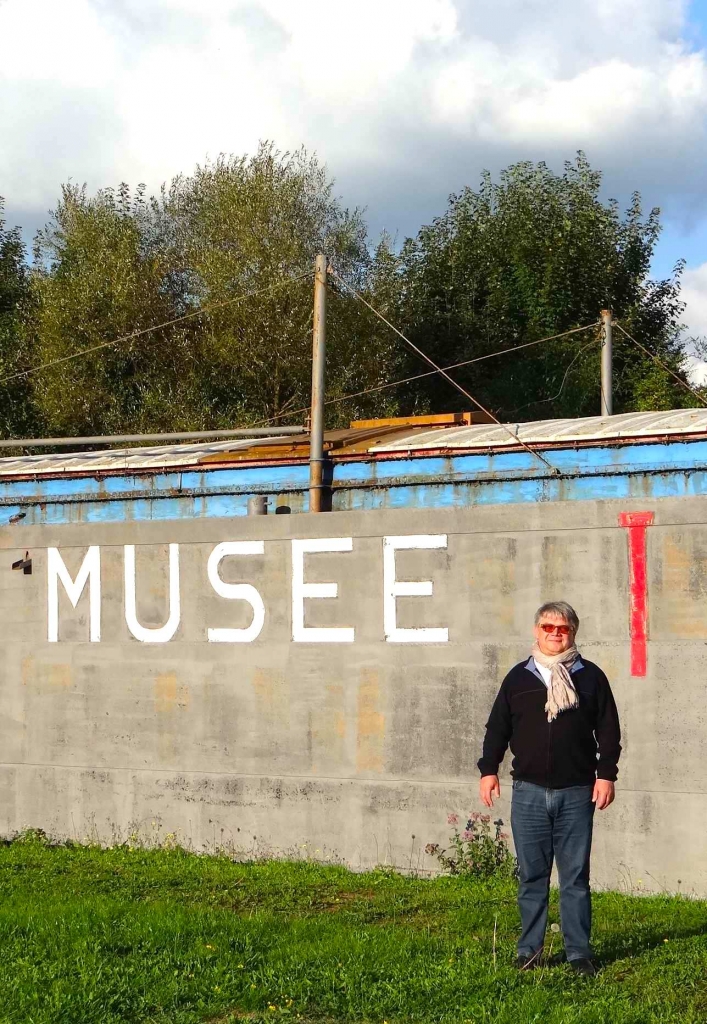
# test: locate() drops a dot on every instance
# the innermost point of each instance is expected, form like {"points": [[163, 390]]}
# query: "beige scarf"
{"points": [[561, 694]]}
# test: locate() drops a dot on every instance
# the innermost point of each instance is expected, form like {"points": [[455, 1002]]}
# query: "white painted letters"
{"points": [[302, 590], [161, 634], [90, 571], [236, 592], [392, 589], [89, 574]]}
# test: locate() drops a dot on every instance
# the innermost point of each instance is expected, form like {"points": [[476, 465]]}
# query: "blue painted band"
{"points": [[675, 469]]}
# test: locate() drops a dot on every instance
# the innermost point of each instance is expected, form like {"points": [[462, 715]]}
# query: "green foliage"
{"points": [[529, 255], [113, 264], [94, 936], [526, 257], [98, 278], [16, 412], [242, 225]]}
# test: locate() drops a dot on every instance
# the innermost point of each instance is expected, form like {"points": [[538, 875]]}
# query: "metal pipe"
{"points": [[193, 435], [258, 505], [316, 440], [607, 398]]}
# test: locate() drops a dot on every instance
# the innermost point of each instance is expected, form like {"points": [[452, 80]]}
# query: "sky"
{"points": [[406, 101]]}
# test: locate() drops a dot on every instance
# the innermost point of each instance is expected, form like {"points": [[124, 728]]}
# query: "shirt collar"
{"points": [[532, 667]]}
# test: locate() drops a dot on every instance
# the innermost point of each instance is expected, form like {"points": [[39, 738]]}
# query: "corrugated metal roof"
{"points": [[130, 459], [548, 432], [355, 443]]}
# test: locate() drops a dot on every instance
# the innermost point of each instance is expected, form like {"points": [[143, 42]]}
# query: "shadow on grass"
{"points": [[627, 945]]}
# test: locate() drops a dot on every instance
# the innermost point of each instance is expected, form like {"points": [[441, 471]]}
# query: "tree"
{"points": [[16, 412], [193, 309], [237, 239], [529, 256], [100, 277]]}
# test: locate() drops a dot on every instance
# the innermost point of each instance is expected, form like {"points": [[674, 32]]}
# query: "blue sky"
{"points": [[680, 240], [685, 237]]}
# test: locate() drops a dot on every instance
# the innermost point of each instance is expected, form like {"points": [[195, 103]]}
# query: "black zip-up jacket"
{"points": [[579, 746]]}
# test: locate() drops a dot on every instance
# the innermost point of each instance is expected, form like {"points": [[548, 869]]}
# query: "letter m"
{"points": [[89, 571]]}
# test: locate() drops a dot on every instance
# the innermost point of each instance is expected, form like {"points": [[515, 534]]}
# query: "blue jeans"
{"points": [[547, 824]]}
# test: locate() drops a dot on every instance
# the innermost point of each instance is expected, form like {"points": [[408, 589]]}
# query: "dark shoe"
{"points": [[583, 966], [528, 963]]}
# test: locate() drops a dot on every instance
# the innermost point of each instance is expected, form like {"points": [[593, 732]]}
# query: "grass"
{"points": [[91, 936]]}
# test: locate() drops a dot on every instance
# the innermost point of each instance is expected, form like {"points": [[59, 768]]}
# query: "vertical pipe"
{"points": [[258, 505], [607, 399], [316, 439]]}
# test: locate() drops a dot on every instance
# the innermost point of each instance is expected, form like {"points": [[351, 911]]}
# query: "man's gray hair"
{"points": [[558, 608]]}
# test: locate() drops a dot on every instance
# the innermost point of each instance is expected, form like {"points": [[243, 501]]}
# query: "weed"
{"points": [[476, 851]]}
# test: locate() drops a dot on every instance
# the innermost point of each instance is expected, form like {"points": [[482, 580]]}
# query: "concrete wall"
{"points": [[357, 749]]}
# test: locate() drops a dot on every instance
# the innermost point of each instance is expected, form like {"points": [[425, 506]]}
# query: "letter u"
{"points": [[160, 634]]}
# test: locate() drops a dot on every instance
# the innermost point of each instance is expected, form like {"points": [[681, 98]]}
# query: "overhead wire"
{"points": [[552, 398], [429, 373], [477, 359], [436, 369], [205, 310], [656, 359], [158, 327], [465, 362], [444, 374]]}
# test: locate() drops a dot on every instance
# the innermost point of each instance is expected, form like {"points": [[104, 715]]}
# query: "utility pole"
{"points": [[316, 436], [607, 400]]}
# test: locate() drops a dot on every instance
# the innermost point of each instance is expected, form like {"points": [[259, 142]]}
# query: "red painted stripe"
{"points": [[636, 524]]}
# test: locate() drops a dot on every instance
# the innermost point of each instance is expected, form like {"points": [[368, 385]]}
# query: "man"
{"points": [[557, 712]]}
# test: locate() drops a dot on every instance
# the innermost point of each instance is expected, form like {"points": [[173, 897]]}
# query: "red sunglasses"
{"points": [[550, 627]]}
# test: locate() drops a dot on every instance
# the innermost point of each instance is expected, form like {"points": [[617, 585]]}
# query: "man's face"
{"points": [[557, 640]]}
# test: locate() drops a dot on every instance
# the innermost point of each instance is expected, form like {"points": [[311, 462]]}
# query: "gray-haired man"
{"points": [[557, 712]]}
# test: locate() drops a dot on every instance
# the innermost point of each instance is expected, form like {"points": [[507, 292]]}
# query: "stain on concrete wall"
{"points": [[678, 573], [370, 724]]}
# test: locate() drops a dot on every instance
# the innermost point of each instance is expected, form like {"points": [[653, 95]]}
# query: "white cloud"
{"points": [[696, 370], [62, 44], [405, 99], [694, 295]]}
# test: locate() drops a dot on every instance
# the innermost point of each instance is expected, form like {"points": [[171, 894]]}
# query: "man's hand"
{"points": [[488, 789], [603, 794]]}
